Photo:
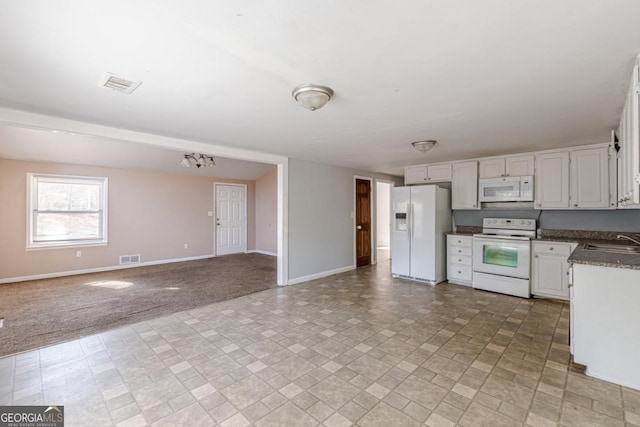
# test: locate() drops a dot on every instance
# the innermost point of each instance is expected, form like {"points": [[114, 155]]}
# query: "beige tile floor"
{"points": [[353, 349]]}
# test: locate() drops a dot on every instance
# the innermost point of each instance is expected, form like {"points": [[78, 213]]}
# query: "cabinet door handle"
{"points": [[575, 205], [551, 248], [535, 256]]}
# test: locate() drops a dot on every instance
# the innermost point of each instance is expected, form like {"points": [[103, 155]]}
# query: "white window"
{"points": [[66, 211]]}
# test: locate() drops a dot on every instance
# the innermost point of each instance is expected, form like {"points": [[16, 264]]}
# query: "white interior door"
{"points": [[230, 219]]}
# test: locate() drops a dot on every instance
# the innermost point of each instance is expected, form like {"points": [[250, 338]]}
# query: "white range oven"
{"points": [[502, 256]]}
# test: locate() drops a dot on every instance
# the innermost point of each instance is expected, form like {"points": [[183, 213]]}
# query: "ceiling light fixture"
{"points": [[424, 146], [197, 160], [312, 97]]}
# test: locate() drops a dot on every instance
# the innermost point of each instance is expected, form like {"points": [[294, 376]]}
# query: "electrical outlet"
{"points": [[78, 254], [210, 213], [186, 246]]}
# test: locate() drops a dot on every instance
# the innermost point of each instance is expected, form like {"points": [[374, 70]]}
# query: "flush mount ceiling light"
{"points": [[197, 160], [312, 97], [424, 146]]}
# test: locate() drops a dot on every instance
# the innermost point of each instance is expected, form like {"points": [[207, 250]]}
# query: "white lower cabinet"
{"points": [[550, 269], [459, 259]]}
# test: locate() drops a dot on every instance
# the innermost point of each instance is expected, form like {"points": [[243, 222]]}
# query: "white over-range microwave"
{"points": [[507, 189]]}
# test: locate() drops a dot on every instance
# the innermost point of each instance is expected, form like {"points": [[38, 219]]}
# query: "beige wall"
{"points": [[149, 213], [267, 212]]}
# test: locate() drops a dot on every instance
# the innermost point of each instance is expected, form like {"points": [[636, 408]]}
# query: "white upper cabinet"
{"points": [[425, 174], [552, 180], [519, 165], [491, 168], [590, 178], [580, 178], [415, 174], [464, 187], [629, 154], [507, 166], [439, 172]]}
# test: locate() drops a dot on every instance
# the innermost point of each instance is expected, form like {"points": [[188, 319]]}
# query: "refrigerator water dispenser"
{"points": [[401, 221]]}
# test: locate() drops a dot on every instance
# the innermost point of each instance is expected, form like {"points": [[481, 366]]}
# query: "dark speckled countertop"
{"points": [[591, 257], [604, 259], [582, 237]]}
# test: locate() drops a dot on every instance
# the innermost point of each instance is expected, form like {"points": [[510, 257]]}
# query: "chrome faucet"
{"points": [[622, 236]]}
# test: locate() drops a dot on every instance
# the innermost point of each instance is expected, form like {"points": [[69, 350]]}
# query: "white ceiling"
{"points": [[481, 77], [62, 147]]}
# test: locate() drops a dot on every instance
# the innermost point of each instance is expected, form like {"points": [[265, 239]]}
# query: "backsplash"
{"points": [[468, 229], [592, 220], [578, 234]]}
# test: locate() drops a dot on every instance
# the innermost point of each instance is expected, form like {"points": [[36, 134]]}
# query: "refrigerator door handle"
{"points": [[411, 221]]}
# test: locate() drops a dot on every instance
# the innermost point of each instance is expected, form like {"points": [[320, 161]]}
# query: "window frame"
{"points": [[32, 209]]}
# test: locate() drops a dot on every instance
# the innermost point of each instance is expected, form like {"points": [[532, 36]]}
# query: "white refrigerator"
{"points": [[421, 220]]}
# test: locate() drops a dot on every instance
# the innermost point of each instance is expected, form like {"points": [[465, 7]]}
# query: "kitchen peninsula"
{"points": [[604, 313]]}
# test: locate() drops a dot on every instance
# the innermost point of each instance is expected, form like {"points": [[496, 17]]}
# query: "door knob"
{"points": [[359, 227]]}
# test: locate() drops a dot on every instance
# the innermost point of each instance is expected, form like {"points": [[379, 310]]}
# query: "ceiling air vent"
{"points": [[118, 84]]}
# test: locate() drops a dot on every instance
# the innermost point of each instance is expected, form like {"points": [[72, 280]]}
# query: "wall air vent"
{"points": [[118, 84], [129, 259]]}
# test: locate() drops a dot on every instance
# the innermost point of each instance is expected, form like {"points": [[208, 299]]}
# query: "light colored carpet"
{"points": [[43, 312]]}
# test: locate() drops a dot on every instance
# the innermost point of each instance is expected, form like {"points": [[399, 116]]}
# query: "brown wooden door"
{"points": [[363, 222]]}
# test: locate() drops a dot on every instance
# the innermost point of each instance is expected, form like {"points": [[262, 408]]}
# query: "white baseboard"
{"points": [[320, 275], [258, 251], [99, 269], [615, 380]]}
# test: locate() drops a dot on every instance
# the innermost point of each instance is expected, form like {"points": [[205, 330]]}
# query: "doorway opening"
{"points": [[383, 220]]}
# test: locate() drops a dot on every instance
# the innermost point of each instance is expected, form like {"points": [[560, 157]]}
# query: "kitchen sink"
{"points": [[615, 249]]}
